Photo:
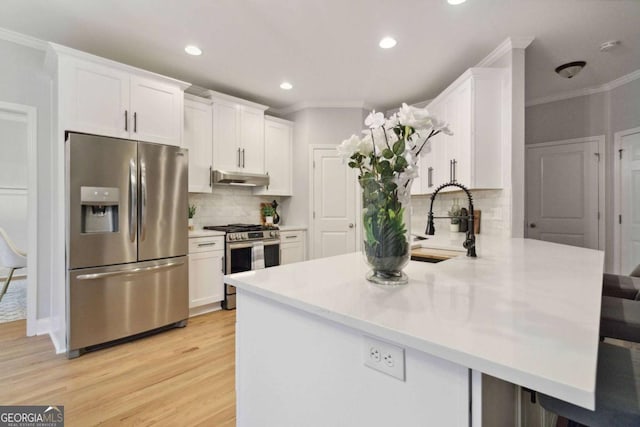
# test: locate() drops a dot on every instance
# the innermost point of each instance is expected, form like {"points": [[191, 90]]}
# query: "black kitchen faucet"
{"points": [[470, 241]]}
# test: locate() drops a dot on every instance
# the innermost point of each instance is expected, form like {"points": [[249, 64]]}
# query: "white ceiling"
{"points": [[329, 49]]}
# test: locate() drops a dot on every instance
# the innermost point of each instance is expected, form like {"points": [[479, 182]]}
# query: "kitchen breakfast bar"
{"points": [[525, 312]]}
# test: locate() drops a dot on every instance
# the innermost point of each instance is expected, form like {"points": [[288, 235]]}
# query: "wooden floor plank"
{"points": [[183, 376]]}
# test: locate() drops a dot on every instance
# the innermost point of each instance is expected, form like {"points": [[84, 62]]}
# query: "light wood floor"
{"points": [[181, 377]]}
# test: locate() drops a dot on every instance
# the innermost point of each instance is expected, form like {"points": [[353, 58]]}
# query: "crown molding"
{"points": [[320, 104], [507, 45], [606, 87], [22, 39]]}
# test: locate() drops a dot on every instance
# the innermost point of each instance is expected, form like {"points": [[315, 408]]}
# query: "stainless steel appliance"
{"points": [[127, 269], [240, 243]]}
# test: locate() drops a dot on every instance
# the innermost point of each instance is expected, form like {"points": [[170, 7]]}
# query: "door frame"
{"points": [[311, 220], [31, 115], [600, 139], [617, 196]]}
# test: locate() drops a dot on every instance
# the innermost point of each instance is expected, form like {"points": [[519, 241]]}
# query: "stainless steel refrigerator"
{"points": [[127, 269]]}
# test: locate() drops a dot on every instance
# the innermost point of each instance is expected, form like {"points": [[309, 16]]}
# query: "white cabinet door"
{"points": [[292, 246], [94, 98], [226, 151], [205, 278], [252, 139], [278, 137], [198, 139], [157, 111]]}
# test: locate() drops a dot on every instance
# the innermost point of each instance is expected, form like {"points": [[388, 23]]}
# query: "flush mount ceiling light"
{"points": [[286, 86], [570, 69], [455, 2], [193, 50], [387, 43]]}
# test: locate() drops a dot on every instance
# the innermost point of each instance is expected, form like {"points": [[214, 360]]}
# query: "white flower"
{"points": [[348, 147], [391, 122], [374, 120], [417, 118], [441, 125], [365, 146]]}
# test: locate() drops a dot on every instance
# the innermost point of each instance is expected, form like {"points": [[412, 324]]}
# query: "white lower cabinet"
{"points": [[206, 268], [292, 246]]}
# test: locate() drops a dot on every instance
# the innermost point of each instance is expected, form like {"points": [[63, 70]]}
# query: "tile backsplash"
{"points": [[495, 206], [228, 205]]}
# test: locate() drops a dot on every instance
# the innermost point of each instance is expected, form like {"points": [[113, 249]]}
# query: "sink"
{"points": [[433, 255]]}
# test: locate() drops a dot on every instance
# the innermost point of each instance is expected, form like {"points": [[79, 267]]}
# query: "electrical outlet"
{"points": [[384, 357]]}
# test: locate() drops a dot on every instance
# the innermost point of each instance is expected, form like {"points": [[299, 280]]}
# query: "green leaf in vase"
{"points": [[387, 154], [398, 147]]}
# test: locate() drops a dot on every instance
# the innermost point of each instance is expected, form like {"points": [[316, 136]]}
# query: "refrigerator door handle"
{"points": [[133, 199], [143, 202], [95, 276]]}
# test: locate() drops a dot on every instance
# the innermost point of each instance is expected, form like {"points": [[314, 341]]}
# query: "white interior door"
{"points": [[563, 192], [629, 219], [334, 205]]}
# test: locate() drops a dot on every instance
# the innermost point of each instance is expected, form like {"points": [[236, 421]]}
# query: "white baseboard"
{"points": [[204, 309]]}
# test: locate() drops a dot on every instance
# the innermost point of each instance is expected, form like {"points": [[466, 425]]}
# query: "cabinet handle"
{"points": [[269, 180], [290, 237], [243, 157], [430, 177], [206, 244], [455, 163], [126, 121], [450, 170], [135, 122], [222, 265], [238, 157], [210, 176]]}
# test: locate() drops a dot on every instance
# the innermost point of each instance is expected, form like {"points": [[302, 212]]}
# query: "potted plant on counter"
{"points": [[454, 214], [267, 213], [192, 213]]}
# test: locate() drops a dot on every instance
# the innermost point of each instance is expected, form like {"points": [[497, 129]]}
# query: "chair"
{"points": [[11, 258], [628, 287]]}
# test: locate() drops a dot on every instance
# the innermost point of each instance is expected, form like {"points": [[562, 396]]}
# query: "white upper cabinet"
{"points": [[472, 105], [198, 139], [278, 145], [238, 134], [103, 97]]}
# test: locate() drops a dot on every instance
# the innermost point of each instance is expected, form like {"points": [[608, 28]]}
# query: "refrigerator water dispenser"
{"points": [[99, 209]]}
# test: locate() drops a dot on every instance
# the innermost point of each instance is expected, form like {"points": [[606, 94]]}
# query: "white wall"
{"points": [[315, 126], [23, 80], [603, 113]]}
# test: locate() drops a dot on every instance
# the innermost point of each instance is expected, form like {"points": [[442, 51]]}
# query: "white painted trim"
{"points": [[320, 104], [507, 45], [22, 39], [234, 99], [279, 120], [196, 98], [32, 208], [617, 197], [600, 139], [628, 78], [57, 49], [43, 326]]}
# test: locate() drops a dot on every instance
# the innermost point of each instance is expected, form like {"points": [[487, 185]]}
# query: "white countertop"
{"points": [[292, 227], [525, 311], [205, 233]]}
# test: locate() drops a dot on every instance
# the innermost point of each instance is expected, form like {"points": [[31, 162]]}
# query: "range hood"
{"points": [[240, 178]]}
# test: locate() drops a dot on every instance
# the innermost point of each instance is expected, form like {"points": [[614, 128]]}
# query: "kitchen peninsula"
{"points": [[525, 311]]}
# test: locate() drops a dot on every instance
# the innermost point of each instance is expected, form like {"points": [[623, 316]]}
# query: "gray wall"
{"points": [[23, 80], [315, 126], [603, 113]]}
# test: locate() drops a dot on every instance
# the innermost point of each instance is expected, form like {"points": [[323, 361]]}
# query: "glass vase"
{"points": [[386, 220]]}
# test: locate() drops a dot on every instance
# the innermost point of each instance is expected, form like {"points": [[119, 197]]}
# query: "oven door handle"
{"points": [[243, 245]]}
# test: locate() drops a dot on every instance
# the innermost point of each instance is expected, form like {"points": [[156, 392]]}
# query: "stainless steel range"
{"points": [[247, 247]]}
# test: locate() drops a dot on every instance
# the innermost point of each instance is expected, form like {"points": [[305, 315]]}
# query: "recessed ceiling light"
{"points": [[387, 43], [455, 2], [193, 50], [286, 86]]}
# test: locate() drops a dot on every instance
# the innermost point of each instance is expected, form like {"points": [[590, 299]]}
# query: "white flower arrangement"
{"points": [[391, 146]]}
